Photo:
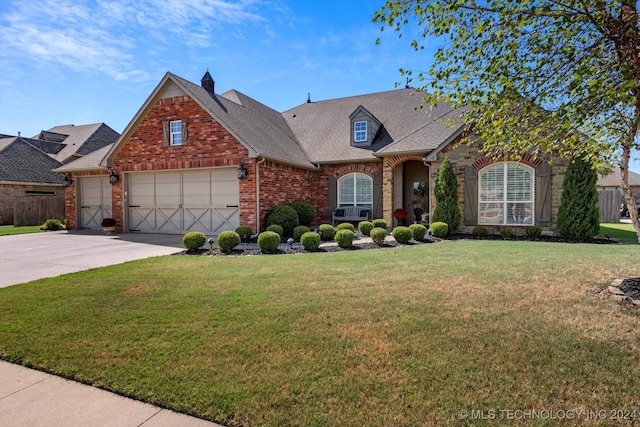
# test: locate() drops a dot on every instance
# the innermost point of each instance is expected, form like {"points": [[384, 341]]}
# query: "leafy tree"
{"points": [[446, 192], [532, 72], [579, 215]]}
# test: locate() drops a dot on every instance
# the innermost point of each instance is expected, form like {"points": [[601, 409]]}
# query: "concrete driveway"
{"points": [[27, 257]]}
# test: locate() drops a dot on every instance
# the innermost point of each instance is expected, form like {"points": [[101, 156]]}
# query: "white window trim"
{"points": [[505, 201], [356, 132], [354, 191], [172, 134]]}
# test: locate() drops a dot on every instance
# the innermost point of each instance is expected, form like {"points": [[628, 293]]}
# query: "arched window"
{"points": [[506, 194], [355, 189]]}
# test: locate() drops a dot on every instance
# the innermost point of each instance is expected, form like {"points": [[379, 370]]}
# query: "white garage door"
{"points": [[177, 202], [95, 201]]}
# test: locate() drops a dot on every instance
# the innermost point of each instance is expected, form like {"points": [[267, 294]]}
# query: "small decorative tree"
{"points": [[446, 192], [579, 214]]}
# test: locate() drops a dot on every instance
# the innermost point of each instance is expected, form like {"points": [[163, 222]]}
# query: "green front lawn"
{"points": [[6, 230], [404, 337], [623, 232]]}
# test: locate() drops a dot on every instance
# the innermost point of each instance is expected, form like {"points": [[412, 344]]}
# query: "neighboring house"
{"points": [[611, 196], [26, 165], [191, 159]]}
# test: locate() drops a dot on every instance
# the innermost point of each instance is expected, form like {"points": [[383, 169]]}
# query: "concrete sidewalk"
{"points": [[33, 398]]}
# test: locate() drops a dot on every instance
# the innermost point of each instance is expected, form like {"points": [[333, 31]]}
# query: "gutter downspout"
{"points": [[258, 194]]}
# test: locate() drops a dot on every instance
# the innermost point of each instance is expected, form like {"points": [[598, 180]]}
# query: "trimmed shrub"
{"points": [[379, 223], [506, 232], [346, 226], [578, 213], [480, 231], [306, 212], [194, 240], [299, 231], [439, 229], [344, 238], [365, 227], [228, 240], [276, 229], [418, 231], [326, 232], [402, 234], [378, 235], [446, 192], [310, 241], [284, 216], [53, 224], [268, 241], [533, 232], [244, 230]]}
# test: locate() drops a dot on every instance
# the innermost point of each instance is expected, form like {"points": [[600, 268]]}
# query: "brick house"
{"points": [[27, 180], [191, 159]]}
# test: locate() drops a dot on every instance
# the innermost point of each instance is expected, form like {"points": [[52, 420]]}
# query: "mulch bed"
{"points": [[631, 287]]}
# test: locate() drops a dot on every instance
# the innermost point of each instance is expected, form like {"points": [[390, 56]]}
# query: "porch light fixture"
{"points": [[67, 181], [242, 170], [113, 177]]}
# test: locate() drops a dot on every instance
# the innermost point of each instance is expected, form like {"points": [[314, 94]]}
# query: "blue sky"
{"points": [[81, 62]]}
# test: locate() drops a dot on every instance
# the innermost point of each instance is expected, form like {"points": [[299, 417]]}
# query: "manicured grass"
{"points": [[405, 336], [623, 232], [6, 230]]}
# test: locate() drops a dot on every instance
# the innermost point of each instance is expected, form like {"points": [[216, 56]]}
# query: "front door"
{"points": [[416, 192]]}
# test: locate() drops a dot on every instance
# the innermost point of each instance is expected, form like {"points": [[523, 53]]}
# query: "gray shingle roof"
{"points": [[82, 139], [324, 129], [89, 162], [614, 179], [22, 162]]}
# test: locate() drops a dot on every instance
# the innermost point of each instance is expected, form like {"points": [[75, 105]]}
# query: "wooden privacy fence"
{"points": [[37, 211], [609, 201]]}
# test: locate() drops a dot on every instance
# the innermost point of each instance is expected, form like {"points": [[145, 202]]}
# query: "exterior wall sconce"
{"points": [[113, 177], [67, 181], [242, 170]]}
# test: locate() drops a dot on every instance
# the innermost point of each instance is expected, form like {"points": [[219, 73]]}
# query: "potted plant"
{"points": [[400, 215], [108, 225]]}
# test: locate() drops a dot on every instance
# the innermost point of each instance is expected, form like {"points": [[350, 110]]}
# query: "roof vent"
{"points": [[207, 83]]}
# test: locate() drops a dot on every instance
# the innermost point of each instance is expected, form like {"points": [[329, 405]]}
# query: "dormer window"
{"points": [[360, 132]]}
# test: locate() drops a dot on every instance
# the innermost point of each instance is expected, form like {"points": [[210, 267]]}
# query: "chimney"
{"points": [[207, 83], [308, 97]]}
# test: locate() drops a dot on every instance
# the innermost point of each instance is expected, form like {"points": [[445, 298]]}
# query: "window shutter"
{"points": [[543, 195], [470, 195], [333, 194], [184, 131], [377, 197], [165, 133]]}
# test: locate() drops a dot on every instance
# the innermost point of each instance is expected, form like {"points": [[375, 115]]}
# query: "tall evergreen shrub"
{"points": [[446, 192], [578, 214]]}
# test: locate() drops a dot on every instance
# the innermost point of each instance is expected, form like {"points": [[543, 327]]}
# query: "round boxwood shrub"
{"points": [[379, 223], [418, 231], [306, 212], [439, 229], [506, 232], [346, 226], [276, 229], [284, 216], [402, 234], [378, 235], [310, 241], [268, 241], [228, 240], [344, 238], [53, 224], [244, 230], [194, 240], [326, 231], [299, 231], [480, 231], [533, 232], [365, 227]]}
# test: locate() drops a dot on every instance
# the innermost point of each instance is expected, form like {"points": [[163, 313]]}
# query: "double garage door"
{"points": [[177, 202]]}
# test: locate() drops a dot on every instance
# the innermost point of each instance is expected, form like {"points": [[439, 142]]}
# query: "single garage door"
{"points": [[176, 202], [95, 201]]}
